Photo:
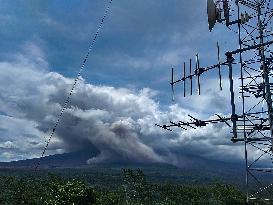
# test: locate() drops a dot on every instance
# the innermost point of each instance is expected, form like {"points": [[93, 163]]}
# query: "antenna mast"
{"points": [[252, 124]]}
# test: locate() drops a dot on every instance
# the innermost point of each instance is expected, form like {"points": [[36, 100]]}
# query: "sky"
{"points": [[124, 89]]}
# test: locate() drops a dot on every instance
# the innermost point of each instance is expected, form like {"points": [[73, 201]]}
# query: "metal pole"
{"points": [[234, 117], [172, 84], [243, 102], [219, 66], [198, 73], [265, 72], [184, 77], [191, 74]]}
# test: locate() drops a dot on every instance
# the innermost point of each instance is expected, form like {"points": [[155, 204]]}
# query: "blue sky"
{"points": [[139, 43], [124, 88]]}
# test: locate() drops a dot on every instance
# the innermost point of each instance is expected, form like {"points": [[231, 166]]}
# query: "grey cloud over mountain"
{"points": [[118, 121]]}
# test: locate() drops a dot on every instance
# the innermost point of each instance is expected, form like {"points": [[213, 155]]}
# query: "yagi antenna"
{"points": [[219, 66], [184, 78], [223, 120], [191, 74], [213, 13], [254, 125], [172, 84], [165, 127], [197, 71]]}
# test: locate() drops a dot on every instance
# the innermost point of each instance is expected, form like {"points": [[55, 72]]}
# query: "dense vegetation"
{"points": [[134, 189]]}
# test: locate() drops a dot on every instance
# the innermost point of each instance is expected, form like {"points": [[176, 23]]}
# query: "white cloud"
{"points": [[8, 145], [118, 121]]}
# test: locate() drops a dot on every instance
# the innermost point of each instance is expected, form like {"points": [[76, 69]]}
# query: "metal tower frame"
{"points": [[251, 121]]}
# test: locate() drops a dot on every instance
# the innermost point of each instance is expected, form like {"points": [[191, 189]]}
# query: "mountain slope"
{"points": [[195, 169], [66, 160], [79, 158]]}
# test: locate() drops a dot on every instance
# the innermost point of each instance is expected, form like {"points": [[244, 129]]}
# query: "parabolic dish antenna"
{"points": [[213, 13]]}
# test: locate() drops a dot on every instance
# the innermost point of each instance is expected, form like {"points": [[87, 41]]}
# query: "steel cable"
{"points": [[67, 101]]}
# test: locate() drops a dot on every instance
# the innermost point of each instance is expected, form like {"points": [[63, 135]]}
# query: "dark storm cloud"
{"points": [[139, 42], [118, 121]]}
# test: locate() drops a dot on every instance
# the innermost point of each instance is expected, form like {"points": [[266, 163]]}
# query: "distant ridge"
{"points": [[66, 160], [79, 159]]}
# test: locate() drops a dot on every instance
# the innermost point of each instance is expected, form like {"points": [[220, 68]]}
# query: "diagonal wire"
{"points": [[262, 189], [254, 125], [255, 105], [67, 101], [258, 158], [266, 152], [259, 182]]}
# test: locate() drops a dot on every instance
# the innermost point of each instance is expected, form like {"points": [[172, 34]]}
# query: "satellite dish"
{"points": [[213, 13], [226, 10]]}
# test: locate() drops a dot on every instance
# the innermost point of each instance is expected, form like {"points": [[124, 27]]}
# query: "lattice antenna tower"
{"points": [[251, 119]]}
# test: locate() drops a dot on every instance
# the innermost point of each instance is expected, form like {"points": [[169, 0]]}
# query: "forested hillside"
{"points": [[134, 189]]}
